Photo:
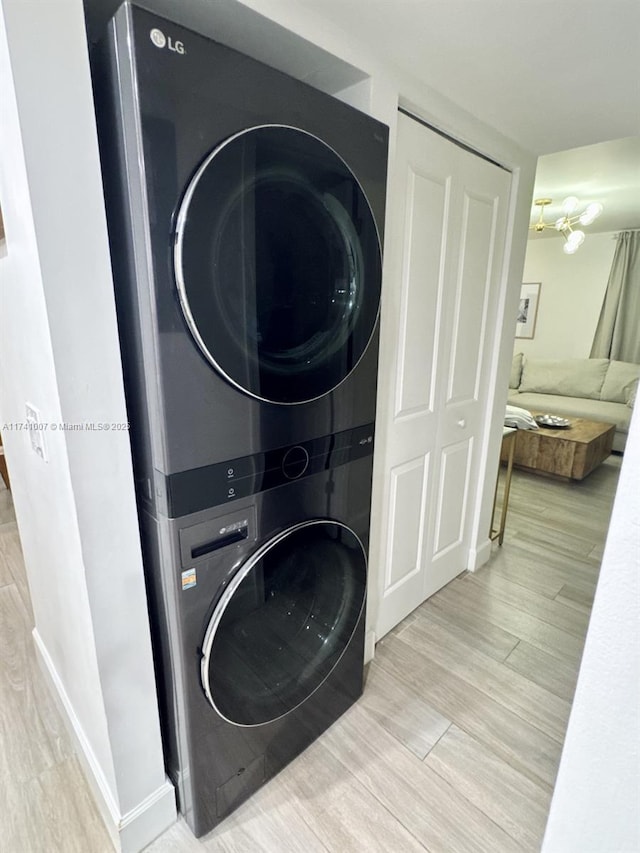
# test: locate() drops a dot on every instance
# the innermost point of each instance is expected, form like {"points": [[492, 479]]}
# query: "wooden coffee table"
{"points": [[570, 453]]}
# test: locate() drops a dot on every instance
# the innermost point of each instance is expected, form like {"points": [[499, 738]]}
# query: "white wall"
{"points": [[596, 802], [571, 295], [59, 351], [42, 492]]}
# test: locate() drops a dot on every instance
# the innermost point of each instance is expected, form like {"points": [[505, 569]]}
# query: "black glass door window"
{"points": [[277, 262], [284, 622]]}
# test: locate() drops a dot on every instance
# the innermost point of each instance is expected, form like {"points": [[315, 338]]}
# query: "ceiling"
{"points": [[553, 76], [550, 75], [608, 172]]}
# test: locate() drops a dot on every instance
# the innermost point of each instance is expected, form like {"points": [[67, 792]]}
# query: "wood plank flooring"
{"points": [[45, 803], [454, 746]]}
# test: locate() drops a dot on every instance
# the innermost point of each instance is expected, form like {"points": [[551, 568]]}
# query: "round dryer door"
{"points": [[277, 263], [284, 622]]}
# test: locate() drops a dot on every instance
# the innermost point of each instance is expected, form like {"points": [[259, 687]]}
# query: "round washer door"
{"points": [[284, 622], [277, 263]]}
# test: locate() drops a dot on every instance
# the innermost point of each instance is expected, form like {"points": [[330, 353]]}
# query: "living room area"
{"points": [[576, 350], [577, 377]]}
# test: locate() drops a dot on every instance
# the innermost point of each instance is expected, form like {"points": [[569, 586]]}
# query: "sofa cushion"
{"points": [[516, 370], [568, 377], [620, 381]]}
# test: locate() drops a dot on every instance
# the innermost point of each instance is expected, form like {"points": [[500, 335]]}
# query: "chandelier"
{"points": [[574, 238]]}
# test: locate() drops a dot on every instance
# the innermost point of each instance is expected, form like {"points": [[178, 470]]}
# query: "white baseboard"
{"points": [[153, 816], [134, 830], [479, 556], [369, 646]]}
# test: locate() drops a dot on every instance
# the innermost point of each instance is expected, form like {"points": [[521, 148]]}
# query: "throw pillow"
{"points": [[619, 381], [567, 377]]}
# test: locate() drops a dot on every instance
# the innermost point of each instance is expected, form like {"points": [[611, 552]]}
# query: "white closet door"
{"points": [[444, 249]]}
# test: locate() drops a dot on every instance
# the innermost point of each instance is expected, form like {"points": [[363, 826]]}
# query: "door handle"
{"points": [[462, 423]]}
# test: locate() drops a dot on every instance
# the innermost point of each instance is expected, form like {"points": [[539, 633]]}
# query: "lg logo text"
{"points": [[160, 40]]}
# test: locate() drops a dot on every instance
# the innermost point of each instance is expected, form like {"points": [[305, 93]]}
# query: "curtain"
{"points": [[618, 330]]}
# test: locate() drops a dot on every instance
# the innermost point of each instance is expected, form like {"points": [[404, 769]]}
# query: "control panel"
{"points": [[213, 485]]}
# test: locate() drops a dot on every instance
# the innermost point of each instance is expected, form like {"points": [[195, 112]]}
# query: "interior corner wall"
{"points": [[571, 295], [59, 351]]}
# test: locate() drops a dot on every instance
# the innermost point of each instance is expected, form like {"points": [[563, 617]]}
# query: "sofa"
{"points": [[597, 389]]}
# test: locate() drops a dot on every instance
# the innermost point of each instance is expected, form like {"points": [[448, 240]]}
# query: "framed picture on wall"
{"points": [[528, 310]]}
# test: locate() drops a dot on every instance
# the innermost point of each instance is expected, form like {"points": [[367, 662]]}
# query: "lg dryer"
{"points": [[246, 213]]}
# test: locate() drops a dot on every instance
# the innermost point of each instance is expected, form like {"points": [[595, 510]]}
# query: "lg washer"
{"points": [[245, 214], [259, 610]]}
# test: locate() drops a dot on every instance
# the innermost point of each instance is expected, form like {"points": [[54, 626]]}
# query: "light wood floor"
{"points": [[454, 746]]}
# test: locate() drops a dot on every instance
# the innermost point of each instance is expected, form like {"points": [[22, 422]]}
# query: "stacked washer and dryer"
{"points": [[245, 215]]}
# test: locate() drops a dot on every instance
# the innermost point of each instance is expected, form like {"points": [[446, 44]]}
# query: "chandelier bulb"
{"points": [[570, 204], [575, 238], [592, 212]]}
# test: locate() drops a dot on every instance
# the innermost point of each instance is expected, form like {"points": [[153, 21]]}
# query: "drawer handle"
{"points": [[221, 542]]}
